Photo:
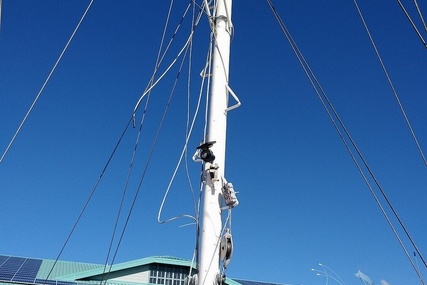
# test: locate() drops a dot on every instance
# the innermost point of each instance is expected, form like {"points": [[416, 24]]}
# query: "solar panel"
{"points": [[18, 269], [24, 270], [28, 271], [9, 268], [3, 258]]}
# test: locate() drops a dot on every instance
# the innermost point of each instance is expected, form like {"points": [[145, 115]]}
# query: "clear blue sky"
{"points": [[302, 200]]}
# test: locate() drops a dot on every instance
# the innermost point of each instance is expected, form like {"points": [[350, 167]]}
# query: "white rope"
{"points": [[151, 86], [187, 126], [46, 81], [188, 133], [184, 150]]}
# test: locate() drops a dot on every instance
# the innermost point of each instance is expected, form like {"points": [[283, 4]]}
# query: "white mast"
{"points": [[209, 255]]}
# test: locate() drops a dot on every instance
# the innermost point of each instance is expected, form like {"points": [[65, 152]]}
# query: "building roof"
{"points": [[32, 271], [22, 270]]}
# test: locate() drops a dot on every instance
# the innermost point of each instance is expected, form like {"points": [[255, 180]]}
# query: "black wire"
{"points": [[316, 85], [154, 144], [90, 197]]}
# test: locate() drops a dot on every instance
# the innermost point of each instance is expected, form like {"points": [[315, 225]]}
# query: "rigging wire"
{"points": [[420, 15], [320, 92], [396, 96], [180, 158], [412, 22], [101, 176], [0, 13], [190, 62], [95, 187], [185, 48], [158, 61], [150, 155], [45, 82], [133, 155], [121, 206], [152, 82], [406, 119], [189, 130]]}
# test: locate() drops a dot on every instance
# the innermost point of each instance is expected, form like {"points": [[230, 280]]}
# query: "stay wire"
{"points": [[0, 13], [396, 96], [420, 15], [412, 23], [407, 121], [159, 57], [183, 152], [149, 157], [185, 48], [93, 191], [158, 60], [180, 158], [154, 144], [153, 82], [139, 187], [45, 82], [316, 86], [95, 187], [187, 129], [132, 160]]}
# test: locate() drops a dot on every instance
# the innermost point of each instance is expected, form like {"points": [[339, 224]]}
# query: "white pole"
{"points": [[209, 258]]}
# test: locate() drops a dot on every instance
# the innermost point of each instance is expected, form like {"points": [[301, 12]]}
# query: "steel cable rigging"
{"points": [[412, 22], [131, 119], [157, 135], [189, 131], [404, 115], [396, 96], [46, 81], [151, 152], [0, 13], [132, 161], [332, 113]]}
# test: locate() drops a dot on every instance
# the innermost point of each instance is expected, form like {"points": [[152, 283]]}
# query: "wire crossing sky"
{"points": [[301, 199]]}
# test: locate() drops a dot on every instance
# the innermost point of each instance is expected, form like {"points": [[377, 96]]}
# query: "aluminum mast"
{"points": [[209, 254]]}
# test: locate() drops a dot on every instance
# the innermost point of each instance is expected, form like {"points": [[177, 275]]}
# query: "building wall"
{"points": [[139, 277]]}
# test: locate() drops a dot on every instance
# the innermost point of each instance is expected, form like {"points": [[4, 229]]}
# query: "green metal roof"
{"points": [[75, 273], [63, 268], [69, 273], [99, 270]]}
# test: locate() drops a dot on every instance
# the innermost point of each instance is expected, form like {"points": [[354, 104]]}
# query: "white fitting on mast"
{"points": [[210, 238]]}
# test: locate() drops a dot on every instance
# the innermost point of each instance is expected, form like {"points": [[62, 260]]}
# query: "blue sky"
{"points": [[302, 200]]}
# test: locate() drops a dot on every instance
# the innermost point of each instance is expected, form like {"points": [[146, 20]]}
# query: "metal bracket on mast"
{"points": [[203, 153], [229, 195], [212, 170], [226, 250], [235, 98]]}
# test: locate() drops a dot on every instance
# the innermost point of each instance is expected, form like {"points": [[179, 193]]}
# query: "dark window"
{"points": [[168, 275]]}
